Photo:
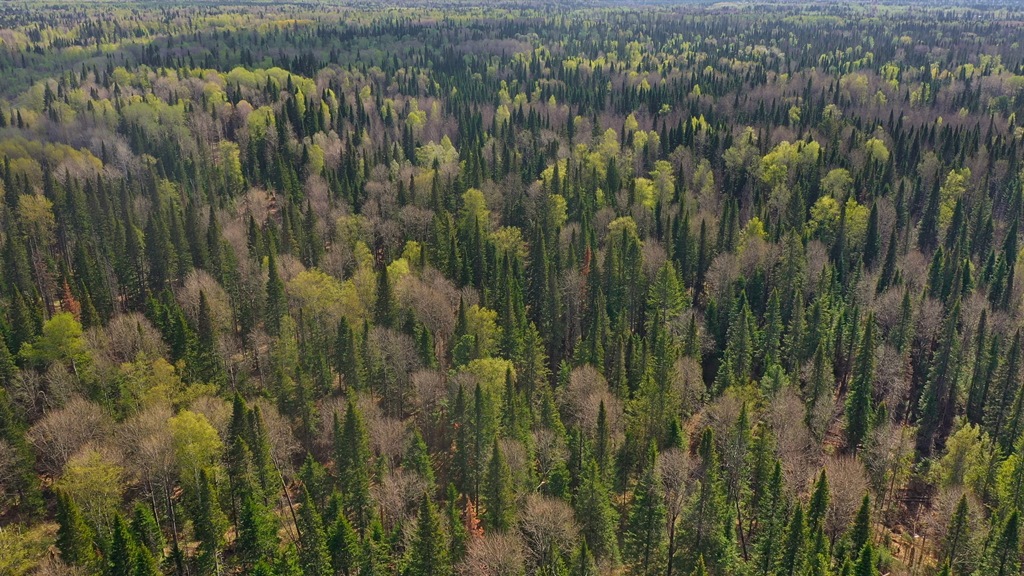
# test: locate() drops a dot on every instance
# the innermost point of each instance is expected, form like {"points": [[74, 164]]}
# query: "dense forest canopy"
{"points": [[508, 290]]}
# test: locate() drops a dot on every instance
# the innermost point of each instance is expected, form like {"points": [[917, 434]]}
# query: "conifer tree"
{"points": [[277, 305], [818, 504], [209, 524], [121, 561], [257, 530], [888, 273], [146, 531], [74, 537], [770, 520], [791, 561], [858, 401], [583, 563], [313, 555], [939, 394], [957, 541], [344, 547], [643, 545], [498, 499], [417, 459], [352, 461], [865, 562], [928, 231], [860, 532], [428, 554], [383, 309], [707, 520], [596, 515]]}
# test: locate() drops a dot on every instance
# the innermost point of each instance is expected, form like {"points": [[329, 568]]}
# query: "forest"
{"points": [[511, 290]]}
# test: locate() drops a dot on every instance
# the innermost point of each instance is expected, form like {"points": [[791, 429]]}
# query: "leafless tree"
{"points": [[799, 452], [8, 458], [200, 281], [148, 448], [547, 524], [674, 469], [283, 444], [61, 433], [123, 339], [496, 554], [216, 410], [847, 486], [888, 457], [398, 495], [582, 400]]}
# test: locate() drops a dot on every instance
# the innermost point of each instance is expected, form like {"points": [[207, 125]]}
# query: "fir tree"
{"points": [[344, 547], [860, 532], [277, 305], [257, 531], [596, 515], [428, 553], [146, 531], [707, 518], [858, 401], [498, 499], [74, 537], [792, 557], [352, 461], [313, 555], [209, 525], [643, 545]]}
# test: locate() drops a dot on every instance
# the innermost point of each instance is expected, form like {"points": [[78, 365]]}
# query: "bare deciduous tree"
{"points": [[547, 524], [847, 486], [497, 554], [582, 400], [797, 449], [61, 433]]}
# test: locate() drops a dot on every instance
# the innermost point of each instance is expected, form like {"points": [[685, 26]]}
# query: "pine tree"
{"points": [[352, 461], [860, 533], [596, 515], [344, 547], [277, 305], [209, 525], [428, 553], [707, 519], [146, 531], [257, 530], [643, 545], [791, 560], [498, 499], [858, 401], [74, 538], [313, 555], [1003, 556]]}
